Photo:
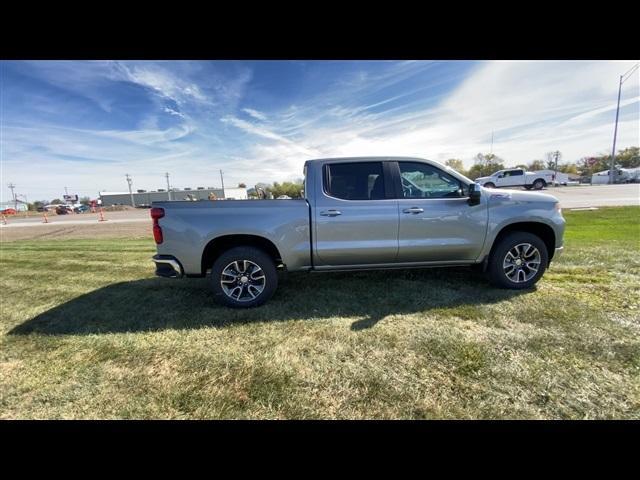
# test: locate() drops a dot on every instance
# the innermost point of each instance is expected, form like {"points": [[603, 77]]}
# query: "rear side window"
{"points": [[355, 181]]}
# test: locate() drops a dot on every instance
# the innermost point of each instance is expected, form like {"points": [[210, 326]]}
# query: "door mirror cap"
{"points": [[475, 193]]}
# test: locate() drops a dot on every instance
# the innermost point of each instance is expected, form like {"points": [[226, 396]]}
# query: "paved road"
{"points": [[579, 196]]}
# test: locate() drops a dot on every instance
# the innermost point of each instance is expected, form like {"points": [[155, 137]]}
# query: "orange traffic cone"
{"points": [[45, 218], [102, 219]]}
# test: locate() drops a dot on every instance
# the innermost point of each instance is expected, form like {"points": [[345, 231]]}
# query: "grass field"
{"points": [[88, 332]]}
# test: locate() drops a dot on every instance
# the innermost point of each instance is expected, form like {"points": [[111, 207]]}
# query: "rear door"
{"points": [[356, 216], [437, 224]]}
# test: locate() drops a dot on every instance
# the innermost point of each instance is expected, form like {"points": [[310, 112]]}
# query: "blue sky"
{"points": [[84, 125]]}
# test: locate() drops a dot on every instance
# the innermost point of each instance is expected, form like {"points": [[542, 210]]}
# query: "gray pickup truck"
{"points": [[359, 213]]}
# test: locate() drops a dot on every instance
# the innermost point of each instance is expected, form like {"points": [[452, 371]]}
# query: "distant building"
{"points": [[142, 198]]}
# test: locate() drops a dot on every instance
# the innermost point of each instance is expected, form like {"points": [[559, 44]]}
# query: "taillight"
{"points": [[157, 213]]}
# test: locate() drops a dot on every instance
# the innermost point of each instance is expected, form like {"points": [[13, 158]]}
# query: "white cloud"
{"points": [[255, 114], [532, 107]]}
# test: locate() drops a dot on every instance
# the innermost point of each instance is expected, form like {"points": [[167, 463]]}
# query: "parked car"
{"points": [[9, 211], [63, 209], [517, 177], [358, 214]]}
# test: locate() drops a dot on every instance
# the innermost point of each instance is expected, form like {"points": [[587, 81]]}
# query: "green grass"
{"points": [[86, 331]]}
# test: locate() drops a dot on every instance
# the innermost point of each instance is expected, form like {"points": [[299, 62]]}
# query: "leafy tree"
{"points": [[85, 200], [568, 168], [628, 158], [550, 158], [291, 189], [37, 204], [56, 201], [242, 185], [457, 165], [485, 165], [536, 165]]}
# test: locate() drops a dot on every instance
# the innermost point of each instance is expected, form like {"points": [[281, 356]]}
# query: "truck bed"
{"points": [[188, 228]]}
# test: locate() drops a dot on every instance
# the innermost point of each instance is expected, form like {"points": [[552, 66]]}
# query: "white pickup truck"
{"points": [[517, 177]]}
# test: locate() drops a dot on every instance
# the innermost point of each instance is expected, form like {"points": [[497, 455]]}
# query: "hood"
{"points": [[519, 196], [482, 179]]}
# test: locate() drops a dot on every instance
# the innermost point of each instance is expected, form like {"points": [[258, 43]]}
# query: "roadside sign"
{"points": [[70, 198]]}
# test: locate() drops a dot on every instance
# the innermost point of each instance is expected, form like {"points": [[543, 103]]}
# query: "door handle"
{"points": [[330, 213], [413, 210]]}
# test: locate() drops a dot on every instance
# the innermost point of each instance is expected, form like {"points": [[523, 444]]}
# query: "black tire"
{"points": [[496, 271], [528, 187], [489, 185], [539, 184], [248, 288]]}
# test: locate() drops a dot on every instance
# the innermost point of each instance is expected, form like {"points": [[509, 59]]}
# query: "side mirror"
{"points": [[474, 194], [501, 175]]}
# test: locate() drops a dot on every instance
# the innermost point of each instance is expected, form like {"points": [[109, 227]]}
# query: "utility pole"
{"points": [[13, 195], [555, 171], [129, 181], [168, 186], [491, 152], [222, 180], [615, 129]]}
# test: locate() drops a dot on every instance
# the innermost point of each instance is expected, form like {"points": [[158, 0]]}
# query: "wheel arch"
{"points": [[218, 245], [544, 182], [541, 230]]}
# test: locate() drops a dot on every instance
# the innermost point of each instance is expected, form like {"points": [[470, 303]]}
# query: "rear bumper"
{"points": [[167, 266]]}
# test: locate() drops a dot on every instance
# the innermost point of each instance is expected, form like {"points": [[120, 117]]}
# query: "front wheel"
{"points": [[489, 185], [243, 277], [518, 261]]}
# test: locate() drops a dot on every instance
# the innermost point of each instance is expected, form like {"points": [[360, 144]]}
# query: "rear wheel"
{"points": [[243, 277], [539, 184], [518, 261]]}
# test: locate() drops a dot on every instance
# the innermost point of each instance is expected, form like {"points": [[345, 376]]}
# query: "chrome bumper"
{"points": [[167, 266], [558, 252]]}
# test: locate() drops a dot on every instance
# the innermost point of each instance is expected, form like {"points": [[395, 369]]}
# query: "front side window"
{"points": [[513, 173], [355, 181], [420, 180]]}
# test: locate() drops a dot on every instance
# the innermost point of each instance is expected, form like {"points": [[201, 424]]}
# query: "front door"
{"points": [[356, 216], [511, 178], [436, 222]]}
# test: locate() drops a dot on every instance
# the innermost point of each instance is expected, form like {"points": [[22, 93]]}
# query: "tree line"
{"points": [[486, 164]]}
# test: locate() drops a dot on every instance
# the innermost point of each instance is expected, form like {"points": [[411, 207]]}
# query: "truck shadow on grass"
{"points": [[156, 304]]}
